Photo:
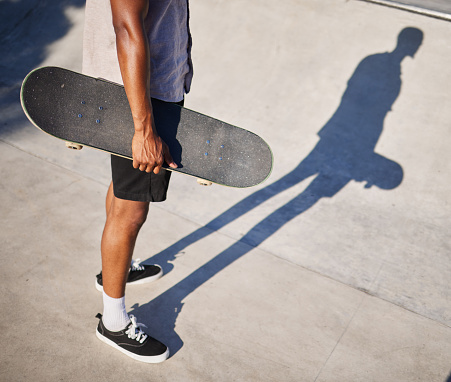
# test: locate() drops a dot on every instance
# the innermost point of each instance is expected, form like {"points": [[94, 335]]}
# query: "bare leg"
{"points": [[124, 220], [109, 198]]}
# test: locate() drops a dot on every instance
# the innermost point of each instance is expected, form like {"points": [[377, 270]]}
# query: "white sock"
{"points": [[115, 317]]}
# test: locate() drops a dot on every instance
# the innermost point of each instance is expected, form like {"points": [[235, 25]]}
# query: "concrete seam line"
{"points": [[412, 8]]}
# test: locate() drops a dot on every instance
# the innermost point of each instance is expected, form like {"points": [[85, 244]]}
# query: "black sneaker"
{"points": [[132, 341], [139, 274]]}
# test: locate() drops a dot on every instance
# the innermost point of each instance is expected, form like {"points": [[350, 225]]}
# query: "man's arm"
{"points": [[149, 150]]}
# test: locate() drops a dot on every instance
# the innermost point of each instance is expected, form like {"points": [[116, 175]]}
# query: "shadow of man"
{"points": [[27, 30], [345, 152]]}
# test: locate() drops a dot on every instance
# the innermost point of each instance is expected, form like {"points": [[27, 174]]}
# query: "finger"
{"points": [[168, 157], [142, 167], [135, 163], [159, 163]]}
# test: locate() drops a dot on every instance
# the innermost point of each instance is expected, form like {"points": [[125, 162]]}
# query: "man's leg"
{"points": [[139, 273], [124, 220], [109, 198]]}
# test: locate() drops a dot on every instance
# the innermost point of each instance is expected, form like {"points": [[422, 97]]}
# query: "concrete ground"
{"points": [[336, 269]]}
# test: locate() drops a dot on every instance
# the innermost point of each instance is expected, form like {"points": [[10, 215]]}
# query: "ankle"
{"points": [[115, 317]]}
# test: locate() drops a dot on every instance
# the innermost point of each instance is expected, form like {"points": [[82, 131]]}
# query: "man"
{"points": [[146, 45]]}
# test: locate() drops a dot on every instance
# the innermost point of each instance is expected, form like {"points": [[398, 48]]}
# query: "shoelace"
{"points": [[136, 265], [134, 331]]}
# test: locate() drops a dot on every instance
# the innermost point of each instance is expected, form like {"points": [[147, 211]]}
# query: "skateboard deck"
{"points": [[93, 112]]}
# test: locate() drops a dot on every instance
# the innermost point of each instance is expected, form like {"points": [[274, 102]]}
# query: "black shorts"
{"points": [[132, 184]]}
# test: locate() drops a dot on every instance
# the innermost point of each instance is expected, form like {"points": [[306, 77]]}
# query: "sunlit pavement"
{"points": [[335, 269]]}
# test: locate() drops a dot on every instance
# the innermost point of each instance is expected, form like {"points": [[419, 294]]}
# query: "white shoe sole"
{"points": [[142, 281], [146, 359]]}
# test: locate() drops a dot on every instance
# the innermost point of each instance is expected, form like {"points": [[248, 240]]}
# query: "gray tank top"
{"points": [[167, 27]]}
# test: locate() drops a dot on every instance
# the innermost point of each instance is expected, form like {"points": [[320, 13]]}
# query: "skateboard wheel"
{"points": [[73, 146], [204, 182]]}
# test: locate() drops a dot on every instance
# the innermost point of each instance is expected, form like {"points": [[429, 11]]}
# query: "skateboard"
{"points": [[93, 112]]}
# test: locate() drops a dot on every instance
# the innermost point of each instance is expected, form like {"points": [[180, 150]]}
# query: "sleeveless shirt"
{"points": [[167, 29]]}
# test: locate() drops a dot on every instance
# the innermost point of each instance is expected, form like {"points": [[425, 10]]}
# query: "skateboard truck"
{"points": [[204, 182], [73, 146]]}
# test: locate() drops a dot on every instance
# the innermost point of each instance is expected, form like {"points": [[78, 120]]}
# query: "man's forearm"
{"points": [[149, 151], [133, 56]]}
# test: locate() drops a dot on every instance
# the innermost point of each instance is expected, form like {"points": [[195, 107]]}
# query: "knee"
{"points": [[133, 214], [138, 217]]}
